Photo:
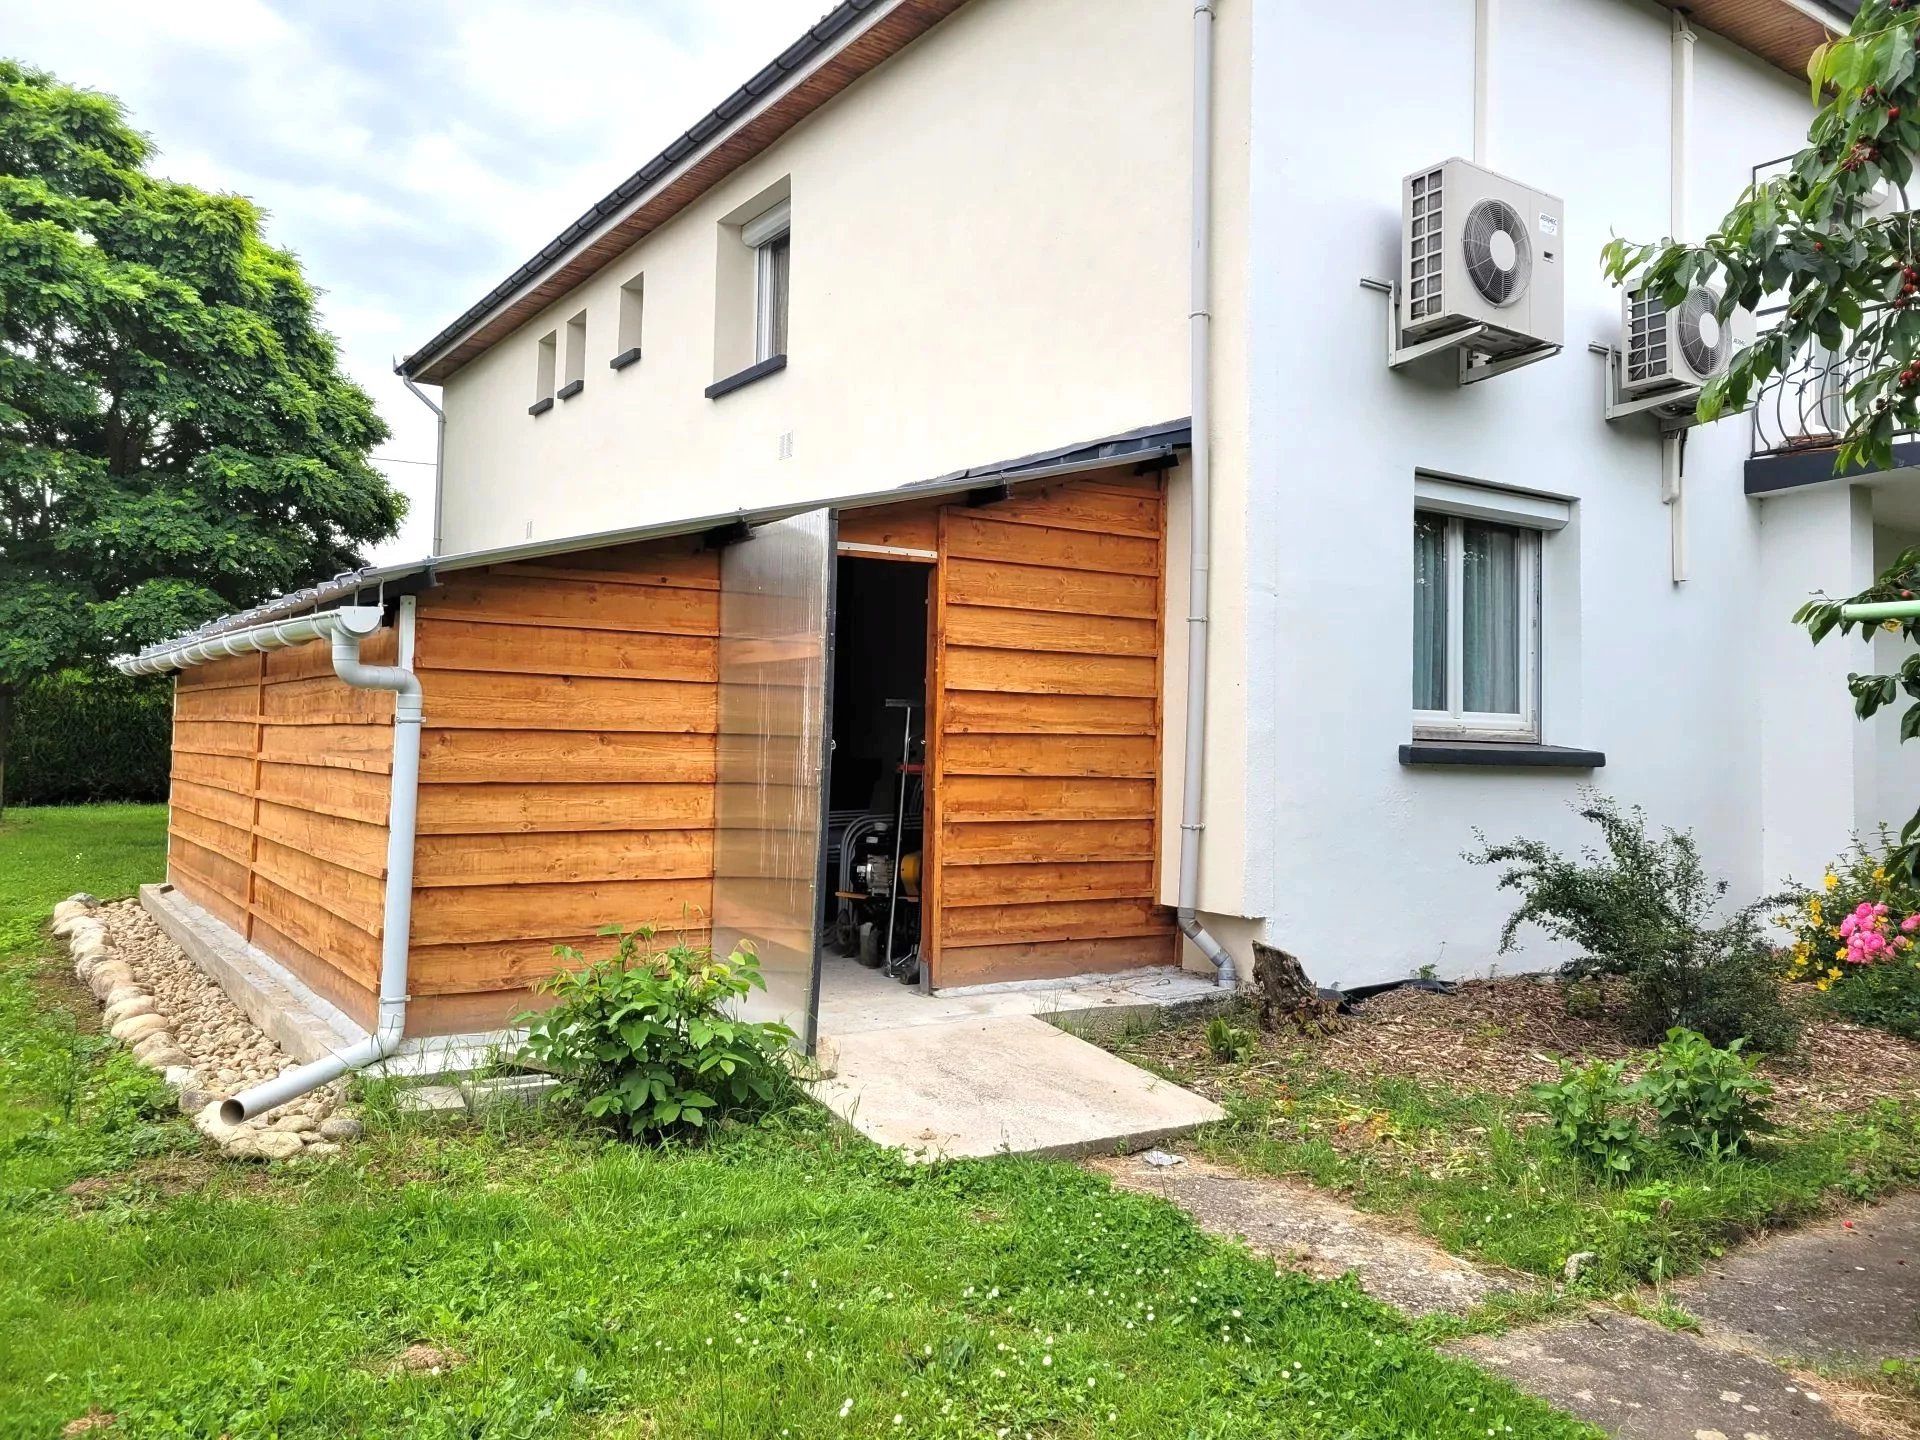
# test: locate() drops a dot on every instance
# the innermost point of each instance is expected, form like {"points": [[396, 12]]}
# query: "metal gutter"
{"points": [[1144, 445]]}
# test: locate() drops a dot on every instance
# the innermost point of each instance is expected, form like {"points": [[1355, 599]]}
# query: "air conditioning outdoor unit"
{"points": [[1480, 249], [1678, 348]]}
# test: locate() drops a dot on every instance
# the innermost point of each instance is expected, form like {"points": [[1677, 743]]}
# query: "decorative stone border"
{"points": [[134, 1016]]}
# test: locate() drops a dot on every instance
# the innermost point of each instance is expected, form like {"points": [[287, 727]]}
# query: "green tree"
{"points": [[1832, 239], [177, 439]]}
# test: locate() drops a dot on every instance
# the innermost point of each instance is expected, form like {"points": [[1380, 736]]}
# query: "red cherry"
{"points": [[1893, 112]]}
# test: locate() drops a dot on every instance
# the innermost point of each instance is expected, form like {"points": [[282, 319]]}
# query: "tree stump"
{"points": [[1285, 993]]}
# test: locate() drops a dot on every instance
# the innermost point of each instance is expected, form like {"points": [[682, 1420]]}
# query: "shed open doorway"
{"points": [[871, 896]]}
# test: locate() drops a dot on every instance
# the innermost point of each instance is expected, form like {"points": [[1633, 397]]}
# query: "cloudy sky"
{"points": [[410, 153]]}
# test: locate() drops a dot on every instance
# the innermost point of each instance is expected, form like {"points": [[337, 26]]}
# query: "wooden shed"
{"points": [[645, 733]]}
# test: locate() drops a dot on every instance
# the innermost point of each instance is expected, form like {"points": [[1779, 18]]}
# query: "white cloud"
{"points": [[411, 155]]}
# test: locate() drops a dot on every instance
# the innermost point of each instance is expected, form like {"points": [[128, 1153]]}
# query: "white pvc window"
{"points": [[769, 236], [1476, 628]]}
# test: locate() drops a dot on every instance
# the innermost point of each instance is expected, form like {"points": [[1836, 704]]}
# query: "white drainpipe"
{"points": [[439, 450], [344, 629], [396, 927], [1199, 527], [1673, 447]]}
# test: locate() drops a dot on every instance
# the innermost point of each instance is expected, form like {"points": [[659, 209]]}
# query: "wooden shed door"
{"points": [[1046, 734], [776, 674]]}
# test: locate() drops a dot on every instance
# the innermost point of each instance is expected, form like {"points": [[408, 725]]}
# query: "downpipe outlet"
{"points": [[347, 633], [1224, 974]]}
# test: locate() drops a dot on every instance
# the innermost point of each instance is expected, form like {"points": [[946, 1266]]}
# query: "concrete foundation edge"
{"points": [[305, 1025]]}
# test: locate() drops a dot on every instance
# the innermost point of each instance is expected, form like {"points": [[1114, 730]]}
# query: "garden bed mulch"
{"points": [[1502, 1036]]}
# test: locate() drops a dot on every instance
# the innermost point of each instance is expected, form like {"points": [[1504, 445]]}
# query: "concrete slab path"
{"points": [[1638, 1381], [1845, 1289], [1004, 1085], [1315, 1233]]}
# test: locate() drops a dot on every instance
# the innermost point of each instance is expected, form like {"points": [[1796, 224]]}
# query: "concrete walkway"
{"points": [[854, 1000], [1011, 1084], [1638, 1381], [1308, 1230], [1845, 1290]]}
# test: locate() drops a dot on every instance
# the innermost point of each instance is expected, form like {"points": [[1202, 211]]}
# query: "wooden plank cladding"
{"points": [[1045, 736], [569, 761], [278, 815], [566, 768]]}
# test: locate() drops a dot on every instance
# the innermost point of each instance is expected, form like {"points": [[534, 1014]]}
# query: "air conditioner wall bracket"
{"points": [[1674, 408], [1472, 368]]}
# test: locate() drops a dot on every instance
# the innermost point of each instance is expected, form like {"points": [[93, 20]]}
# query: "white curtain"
{"points": [[1429, 612], [1490, 619]]}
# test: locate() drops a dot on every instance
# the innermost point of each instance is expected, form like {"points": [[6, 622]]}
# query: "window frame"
{"points": [[765, 235], [1456, 722]]}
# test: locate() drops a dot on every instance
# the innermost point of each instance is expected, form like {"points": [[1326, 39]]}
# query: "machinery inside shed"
{"points": [[871, 893]]}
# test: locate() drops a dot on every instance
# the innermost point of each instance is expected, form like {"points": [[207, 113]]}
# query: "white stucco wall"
{"points": [[1896, 766], [989, 242], [1365, 875], [989, 259]]}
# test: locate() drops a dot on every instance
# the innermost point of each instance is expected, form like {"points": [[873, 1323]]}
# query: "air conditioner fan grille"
{"points": [[1497, 251]]}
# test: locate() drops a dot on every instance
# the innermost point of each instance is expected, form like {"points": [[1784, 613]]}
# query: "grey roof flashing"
{"points": [[373, 583]]}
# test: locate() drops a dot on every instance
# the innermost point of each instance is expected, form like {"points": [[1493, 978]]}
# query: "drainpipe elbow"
{"points": [[1225, 975]]}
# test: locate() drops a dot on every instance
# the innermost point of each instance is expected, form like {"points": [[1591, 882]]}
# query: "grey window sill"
{"points": [[540, 407], [769, 366], [624, 359], [1501, 755], [570, 389]]}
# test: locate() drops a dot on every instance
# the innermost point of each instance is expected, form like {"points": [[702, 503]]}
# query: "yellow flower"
{"points": [[1832, 881], [1823, 984], [1840, 954], [1890, 625], [1879, 874]]}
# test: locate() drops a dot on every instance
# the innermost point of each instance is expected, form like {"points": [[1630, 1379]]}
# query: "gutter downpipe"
{"points": [[1199, 525], [1673, 446], [439, 449], [397, 915]]}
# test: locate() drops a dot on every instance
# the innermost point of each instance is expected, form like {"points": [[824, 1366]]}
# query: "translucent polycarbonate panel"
{"points": [[776, 636]]}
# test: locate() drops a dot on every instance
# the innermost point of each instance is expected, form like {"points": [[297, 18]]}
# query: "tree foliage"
{"points": [[1832, 239], [177, 439], [1872, 690]]}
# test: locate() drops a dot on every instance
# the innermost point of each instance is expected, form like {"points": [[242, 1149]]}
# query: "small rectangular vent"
{"points": [[1646, 338], [1426, 258]]}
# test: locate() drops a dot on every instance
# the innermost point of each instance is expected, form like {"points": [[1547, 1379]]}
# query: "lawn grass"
{"points": [[1480, 1175], [786, 1279]]}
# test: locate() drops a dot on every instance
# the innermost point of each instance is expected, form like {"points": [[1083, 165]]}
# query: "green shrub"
{"points": [[1643, 909], [79, 738], [644, 1040], [1887, 996], [1589, 1106], [1710, 1100]]}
